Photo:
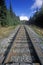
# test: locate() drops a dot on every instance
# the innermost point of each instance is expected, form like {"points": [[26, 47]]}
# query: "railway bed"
{"points": [[22, 51]]}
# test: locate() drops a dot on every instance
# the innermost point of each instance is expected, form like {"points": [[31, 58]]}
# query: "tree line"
{"points": [[7, 17], [37, 18]]}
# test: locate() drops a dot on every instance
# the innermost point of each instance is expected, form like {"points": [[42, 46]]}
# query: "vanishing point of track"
{"points": [[21, 50]]}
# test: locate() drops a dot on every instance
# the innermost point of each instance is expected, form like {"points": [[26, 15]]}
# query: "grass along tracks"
{"points": [[5, 31], [38, 30], [22, 51]]}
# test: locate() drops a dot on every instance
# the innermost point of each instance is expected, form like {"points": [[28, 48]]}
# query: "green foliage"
{"points": [[8, 18], [2, 13], [37, 18], [11, 20]]}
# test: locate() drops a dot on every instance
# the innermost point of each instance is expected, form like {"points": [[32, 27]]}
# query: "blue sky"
{"points": [[24, 7]]}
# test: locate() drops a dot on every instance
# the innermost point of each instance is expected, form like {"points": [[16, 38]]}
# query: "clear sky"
{"points": [[24, 7]]}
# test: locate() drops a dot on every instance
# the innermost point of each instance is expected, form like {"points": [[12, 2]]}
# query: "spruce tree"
{"points": [[2, 13]]}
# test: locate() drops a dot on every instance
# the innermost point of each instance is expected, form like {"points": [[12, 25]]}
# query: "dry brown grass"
{"points": [[38, 30], [5, 31]]}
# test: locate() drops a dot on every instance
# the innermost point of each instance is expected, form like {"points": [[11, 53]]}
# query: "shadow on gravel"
{"points": [[33, 53], [9, 47]]}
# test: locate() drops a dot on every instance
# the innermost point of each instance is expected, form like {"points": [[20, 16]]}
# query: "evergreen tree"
{"points": [[11, 13], [37, 18], [2, 13]]}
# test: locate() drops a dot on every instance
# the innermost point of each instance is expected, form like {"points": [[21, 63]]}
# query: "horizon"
{"points": [[24, 8]]}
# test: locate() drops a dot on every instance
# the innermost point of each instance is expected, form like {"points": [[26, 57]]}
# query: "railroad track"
{"points": [[22, 51]]}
